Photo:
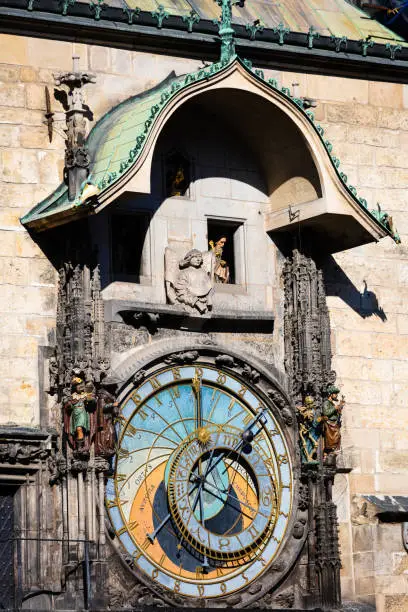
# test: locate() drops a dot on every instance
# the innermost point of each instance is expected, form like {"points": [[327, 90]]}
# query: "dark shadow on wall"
{"points": [[338, 284]]}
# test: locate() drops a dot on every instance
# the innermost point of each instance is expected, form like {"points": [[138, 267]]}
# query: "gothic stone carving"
{"points": [[306, 329], [18, 446], [190, 281], [80, 330], [182, 358], [76, 153], [308, 365]]}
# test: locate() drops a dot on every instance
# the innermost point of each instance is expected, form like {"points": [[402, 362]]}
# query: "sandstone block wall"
{"points": [[367, 123], [368, 289]]}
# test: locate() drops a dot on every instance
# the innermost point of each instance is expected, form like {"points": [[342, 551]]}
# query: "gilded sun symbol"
{"points": [[203, 435]]}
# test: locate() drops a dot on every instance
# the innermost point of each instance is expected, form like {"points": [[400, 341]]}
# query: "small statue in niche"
{"points": [[178, 184], [332, 411], [79, 415], [106, 411], [177, 174], [190, 281], [309, 430], [221, 269]]}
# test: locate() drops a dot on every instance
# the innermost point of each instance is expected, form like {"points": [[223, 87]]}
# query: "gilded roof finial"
{"points": [[226, 30]]}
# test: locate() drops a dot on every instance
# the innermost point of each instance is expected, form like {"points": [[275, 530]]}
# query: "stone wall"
{"points": [[368, 286], [367, 123]]}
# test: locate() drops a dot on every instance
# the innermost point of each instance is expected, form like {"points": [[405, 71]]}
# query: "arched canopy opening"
{"points": [[269, 136], [298, 166]]}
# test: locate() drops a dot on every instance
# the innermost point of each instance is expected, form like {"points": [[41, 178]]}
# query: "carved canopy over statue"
{"points": [[190, 281]]}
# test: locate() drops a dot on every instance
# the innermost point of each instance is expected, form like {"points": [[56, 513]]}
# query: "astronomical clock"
{"points": [[201, 495]]}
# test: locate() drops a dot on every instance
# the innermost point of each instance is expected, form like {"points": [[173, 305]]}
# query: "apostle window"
{"points": [[177, 175], [226, 240], [130, 248]]}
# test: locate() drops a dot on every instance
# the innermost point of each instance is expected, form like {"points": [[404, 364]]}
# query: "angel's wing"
{"points": [[208, 263], [171, 265], [171, 269]]}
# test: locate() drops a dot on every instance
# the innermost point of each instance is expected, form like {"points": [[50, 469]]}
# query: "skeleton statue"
{"points": [[189, 281]]}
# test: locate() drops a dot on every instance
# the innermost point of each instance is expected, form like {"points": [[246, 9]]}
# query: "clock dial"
{"points": [[202, 487]]}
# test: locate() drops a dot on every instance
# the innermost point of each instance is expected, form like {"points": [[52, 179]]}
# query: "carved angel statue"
{"points": [[190, 281]]}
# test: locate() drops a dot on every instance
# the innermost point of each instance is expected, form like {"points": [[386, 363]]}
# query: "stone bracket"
{"points": [[22, 449], [153, 316]]}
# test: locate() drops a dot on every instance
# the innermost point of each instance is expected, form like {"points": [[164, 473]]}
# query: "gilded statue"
{"points": [[178, 184], [332, 411], [221, 269], [79, 415], [189, 281], [309, 430]]}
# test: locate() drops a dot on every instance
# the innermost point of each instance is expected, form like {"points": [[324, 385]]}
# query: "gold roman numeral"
{"points": [[136, 398], [130, 430], [155, 383], [111, 503], [242, 391], [248, 419], [133, 525]]}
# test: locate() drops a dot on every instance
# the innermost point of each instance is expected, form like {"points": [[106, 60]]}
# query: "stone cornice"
{"points": [[22, 449]]}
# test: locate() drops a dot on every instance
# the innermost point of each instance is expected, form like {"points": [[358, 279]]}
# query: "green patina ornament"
{"points": [[254, 28], [281, 31], [365, 43], [97, 7], [393, 49], [65, 4], [226, 31], [131, 13], [338, 41], [160, 15], [190, 19], [311, 35]]}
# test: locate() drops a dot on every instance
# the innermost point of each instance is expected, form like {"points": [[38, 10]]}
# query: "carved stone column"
{"points": [[76, 154], [308, 365]]}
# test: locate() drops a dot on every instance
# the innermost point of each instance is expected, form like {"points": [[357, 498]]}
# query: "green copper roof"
{"points": [[119, 138], [328, 17]]}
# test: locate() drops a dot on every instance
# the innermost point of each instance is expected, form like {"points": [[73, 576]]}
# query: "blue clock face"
{"points": [[202, 488]]}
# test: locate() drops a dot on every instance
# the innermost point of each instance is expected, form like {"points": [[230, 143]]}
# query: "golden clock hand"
{"points": [[196, 386]]}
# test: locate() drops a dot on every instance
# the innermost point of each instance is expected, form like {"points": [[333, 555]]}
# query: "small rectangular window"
{"points": [[225, 238], [129, 236]]}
